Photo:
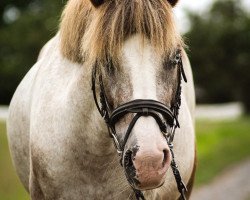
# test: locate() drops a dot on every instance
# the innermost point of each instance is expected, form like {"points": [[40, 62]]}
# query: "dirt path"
{"points": [[233, 184]]}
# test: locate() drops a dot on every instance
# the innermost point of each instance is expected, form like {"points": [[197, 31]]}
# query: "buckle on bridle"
{"points": [[117, 144]]}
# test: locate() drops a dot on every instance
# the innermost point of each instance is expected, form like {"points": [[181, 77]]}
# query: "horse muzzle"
{"points": [[146, 169]]}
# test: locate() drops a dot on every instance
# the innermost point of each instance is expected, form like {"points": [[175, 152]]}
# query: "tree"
{"points": [[219, 49], [22, 38]]}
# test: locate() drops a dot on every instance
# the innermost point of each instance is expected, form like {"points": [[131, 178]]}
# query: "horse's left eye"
{"points": [[177, 57], [170, 63], [173, 60]]}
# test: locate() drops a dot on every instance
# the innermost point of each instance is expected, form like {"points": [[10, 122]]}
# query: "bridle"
{"points": [[166, 118]]}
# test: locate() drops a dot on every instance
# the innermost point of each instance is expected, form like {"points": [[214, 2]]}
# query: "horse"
{"points": [[98, 115]]}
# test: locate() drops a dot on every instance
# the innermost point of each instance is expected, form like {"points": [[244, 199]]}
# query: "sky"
{"points": [[198, 6]]}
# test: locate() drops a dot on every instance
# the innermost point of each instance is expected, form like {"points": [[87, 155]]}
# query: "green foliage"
{"points": [[22, 39], [219, 49], [220, 144]]}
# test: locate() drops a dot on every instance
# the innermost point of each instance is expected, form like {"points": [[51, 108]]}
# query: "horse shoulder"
{"points": [[49, 88], [18, 125]]}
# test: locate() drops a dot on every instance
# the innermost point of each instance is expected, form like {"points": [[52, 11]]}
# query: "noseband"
{"points": [[166, 118]]}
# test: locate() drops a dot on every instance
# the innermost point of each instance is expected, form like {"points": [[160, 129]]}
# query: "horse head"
{"points": [[139, 80]]}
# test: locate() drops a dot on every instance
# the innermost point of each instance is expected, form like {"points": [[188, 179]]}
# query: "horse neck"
{"points": [[88, 131], [93, 149], [91, 133]]}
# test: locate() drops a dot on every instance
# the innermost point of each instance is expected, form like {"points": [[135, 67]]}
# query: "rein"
{"points": [[166, 118]]}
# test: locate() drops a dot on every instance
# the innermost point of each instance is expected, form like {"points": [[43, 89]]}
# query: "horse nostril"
{"points": [[165, 157], [128, 163], [130, 156], [129, 168]]}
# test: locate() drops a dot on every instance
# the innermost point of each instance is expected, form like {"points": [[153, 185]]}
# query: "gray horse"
{"points": [[60, 144]]}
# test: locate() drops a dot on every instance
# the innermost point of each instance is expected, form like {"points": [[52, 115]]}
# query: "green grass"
{"points": [[10, 186], [220, 144]]}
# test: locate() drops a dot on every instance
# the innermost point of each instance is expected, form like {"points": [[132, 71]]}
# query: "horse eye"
{"points": [[171, 62], [175, 59]]}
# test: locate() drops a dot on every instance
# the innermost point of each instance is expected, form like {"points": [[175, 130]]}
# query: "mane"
{"points": [[93, 34]]}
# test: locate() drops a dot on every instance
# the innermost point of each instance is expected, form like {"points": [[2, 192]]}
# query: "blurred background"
{"points": [[217, 33]]}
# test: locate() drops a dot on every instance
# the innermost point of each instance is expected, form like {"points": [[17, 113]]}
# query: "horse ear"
{"points": [[97, 3], [173, 2]]}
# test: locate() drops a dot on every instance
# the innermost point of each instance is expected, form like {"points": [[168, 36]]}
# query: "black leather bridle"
{"points": [[166, 118]]}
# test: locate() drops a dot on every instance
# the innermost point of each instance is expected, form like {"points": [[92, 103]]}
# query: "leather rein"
{"points": [[166, 118]]}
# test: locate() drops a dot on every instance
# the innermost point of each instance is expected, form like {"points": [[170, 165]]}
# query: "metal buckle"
{"points": [[117, 144]]}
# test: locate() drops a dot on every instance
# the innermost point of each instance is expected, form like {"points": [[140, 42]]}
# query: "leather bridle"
{"points": [[166, 118]]}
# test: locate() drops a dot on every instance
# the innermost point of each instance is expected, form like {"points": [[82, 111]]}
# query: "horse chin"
{"points": [[145, 188]]}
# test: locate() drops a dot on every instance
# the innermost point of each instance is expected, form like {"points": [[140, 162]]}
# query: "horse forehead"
{"points": [[139, 53], [141, 62]]}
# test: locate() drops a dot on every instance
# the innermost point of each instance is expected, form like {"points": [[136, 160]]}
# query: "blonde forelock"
{"points": [[93, 34]]}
